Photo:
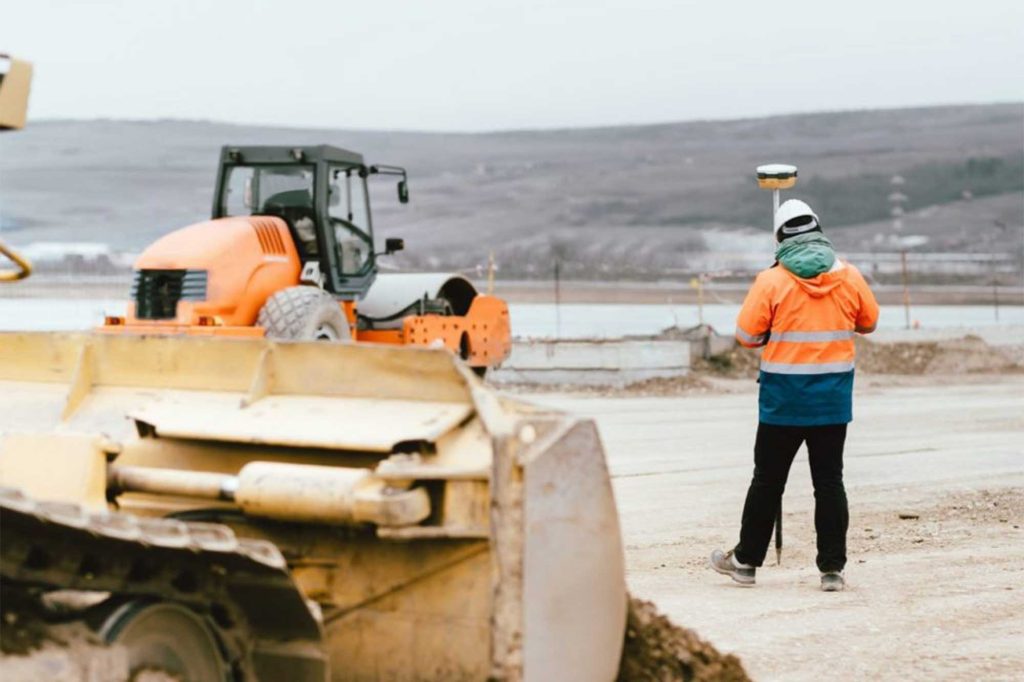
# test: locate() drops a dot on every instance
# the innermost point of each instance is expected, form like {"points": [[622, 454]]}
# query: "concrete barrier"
{"points": [[705, 342], [611, 362]]}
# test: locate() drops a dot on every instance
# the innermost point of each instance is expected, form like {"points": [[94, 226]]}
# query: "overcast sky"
{"points": [[480, 65]]}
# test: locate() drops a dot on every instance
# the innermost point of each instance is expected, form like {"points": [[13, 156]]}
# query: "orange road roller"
{"points": [[288, 253]]}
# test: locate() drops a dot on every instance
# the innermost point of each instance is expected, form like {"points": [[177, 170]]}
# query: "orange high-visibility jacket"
{"points": [[807, 328]]}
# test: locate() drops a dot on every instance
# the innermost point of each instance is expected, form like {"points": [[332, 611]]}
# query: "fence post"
{"points": [[906, 287]]}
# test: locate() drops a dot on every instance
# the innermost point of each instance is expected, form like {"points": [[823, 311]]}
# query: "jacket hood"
{"points": [[823, 284]]}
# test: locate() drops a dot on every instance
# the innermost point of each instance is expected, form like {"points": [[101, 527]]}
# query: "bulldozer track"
{"points": [[242, 587]]}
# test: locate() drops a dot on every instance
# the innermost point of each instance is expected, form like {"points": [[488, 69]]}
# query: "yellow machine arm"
{"points": [[15, 82], [24, 267]]}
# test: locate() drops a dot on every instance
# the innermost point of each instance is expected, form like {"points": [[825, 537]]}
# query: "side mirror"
{"points": [[393, 245], [403, 192]]}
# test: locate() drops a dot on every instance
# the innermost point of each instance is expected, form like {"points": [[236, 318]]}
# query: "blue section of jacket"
{"points": [[806, 399]]}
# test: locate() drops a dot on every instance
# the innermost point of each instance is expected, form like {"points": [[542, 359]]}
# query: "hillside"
{"points": [[622, 201]]}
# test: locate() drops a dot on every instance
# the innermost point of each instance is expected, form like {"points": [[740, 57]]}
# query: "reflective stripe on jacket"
{"points": [[807, 327]]}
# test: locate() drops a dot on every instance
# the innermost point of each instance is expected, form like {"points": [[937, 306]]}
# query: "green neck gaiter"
{"points": [[806, 255]]}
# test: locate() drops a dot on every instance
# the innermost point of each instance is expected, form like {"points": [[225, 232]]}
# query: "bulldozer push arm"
{"points": [[15, 83], [321, 510], [23, 267]]}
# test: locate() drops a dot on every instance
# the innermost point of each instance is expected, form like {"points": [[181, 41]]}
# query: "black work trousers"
{"points": [[774, 450]]}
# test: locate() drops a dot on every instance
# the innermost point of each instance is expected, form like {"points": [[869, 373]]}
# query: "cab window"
{"points": [[285, 191], [350, 219], [257, 190]]}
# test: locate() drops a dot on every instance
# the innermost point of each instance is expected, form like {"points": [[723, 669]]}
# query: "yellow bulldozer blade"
{"points": [[372, 511]]}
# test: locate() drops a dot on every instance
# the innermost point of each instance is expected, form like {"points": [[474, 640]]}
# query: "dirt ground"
{"points": [[934, 472]]}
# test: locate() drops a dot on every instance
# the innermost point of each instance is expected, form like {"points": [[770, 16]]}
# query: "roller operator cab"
{"points": [[289, 253]]}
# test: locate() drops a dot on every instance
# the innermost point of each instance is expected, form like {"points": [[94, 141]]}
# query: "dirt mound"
{"points": [[659, 386], [895, 358], [664, 386], [966, 355], [658, 651], [737, 362]]}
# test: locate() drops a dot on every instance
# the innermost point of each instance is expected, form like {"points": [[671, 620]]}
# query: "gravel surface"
{"points": [[939, 596]]}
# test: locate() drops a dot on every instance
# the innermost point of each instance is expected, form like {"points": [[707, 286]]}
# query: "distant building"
{"points": [[86, 257]]}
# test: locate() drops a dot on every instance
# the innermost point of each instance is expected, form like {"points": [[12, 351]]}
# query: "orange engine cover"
{"points": [[246, 260]]}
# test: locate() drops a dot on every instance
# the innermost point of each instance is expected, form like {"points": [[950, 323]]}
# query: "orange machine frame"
{"points": [[255, 257], [481, 337]]}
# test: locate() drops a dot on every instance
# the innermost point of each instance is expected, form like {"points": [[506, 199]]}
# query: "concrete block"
{"points": [[718, 344], [614, 362]]}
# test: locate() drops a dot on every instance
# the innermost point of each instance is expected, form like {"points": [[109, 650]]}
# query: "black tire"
{"points": [[304, 313]]}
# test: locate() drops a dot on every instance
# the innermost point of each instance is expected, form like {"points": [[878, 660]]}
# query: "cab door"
{"points": [[350, 230]]}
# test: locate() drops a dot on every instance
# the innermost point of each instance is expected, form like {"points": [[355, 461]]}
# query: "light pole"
{"points": [[897, 202], [906, 243]]}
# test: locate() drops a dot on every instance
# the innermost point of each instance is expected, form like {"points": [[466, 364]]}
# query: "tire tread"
{"points": [[285, 314]]}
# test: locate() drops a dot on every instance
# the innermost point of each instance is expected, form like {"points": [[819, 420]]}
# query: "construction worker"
{"points": [[804, 311]]}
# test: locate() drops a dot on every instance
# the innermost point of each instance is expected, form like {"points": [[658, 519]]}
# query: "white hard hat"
{"points": [[791, 209]]}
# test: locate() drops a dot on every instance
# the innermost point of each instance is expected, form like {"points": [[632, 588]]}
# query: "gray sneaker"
{"points": [[726, 564], [833, 581]]}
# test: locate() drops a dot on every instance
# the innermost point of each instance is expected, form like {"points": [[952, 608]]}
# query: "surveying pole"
{"points": [[776, 177]]}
